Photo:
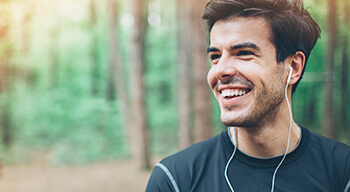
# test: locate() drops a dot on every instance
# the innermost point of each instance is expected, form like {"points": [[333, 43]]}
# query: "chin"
{"points": [[233, 119], [230, 121]]}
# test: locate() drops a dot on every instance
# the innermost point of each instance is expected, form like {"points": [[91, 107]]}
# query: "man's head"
{"points": [[292, 27], [253, 44]]}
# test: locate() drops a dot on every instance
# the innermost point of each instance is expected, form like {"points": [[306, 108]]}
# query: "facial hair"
{"points": [[266, 105]]}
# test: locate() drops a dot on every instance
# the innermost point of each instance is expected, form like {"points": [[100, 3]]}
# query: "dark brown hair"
{"points": [[293, 29]]}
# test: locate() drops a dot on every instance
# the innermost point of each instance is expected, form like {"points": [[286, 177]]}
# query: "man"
{"points": [[258, 51]]}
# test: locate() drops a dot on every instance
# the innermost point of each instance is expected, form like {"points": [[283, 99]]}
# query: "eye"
{"points": [[244, 53], [214, 56]]}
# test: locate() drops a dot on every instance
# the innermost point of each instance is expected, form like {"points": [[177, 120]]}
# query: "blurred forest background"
{"points": [[86, 81]]}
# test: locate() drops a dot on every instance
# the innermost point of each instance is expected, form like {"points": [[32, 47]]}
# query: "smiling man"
{"points": [[258, 51]]}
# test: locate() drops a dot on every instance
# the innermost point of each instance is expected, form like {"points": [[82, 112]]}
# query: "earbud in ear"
{"points": [[289, 75]]}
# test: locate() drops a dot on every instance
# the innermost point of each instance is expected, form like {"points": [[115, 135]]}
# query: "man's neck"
{"points": [[268, 141]]}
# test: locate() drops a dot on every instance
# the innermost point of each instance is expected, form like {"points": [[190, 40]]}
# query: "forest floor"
{"points": [[119, 176]]}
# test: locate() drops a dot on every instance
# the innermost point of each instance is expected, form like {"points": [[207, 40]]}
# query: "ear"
{"points": [[297, 62]]}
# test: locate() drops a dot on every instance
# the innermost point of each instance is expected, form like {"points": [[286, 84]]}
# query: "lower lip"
{"points": [[234, 100]]}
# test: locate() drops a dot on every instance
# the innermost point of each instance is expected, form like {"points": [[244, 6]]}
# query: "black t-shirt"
{"points": [[317, 164]]}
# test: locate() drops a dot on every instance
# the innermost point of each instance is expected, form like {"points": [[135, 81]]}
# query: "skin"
{"points": [[243, 58]]}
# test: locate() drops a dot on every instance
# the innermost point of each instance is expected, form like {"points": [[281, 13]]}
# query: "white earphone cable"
{"points": [[290, 130], [226, 168]]}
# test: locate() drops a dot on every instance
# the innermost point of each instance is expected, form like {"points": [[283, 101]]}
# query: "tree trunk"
{"points": [[184, 71], [311, 107], [94, 50], [54, 53], [5, 81], [114, 59], [7, 133], [139, 132], [202, 103], [344, 71], [5, 89], [329, 127], [110, 95], [26, 32]]}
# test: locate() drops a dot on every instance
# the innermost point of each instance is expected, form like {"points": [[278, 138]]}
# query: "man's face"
{"points": [[245, 77]]}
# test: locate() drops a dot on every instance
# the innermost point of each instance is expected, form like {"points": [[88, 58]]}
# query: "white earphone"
{"points": [[289, 75]]}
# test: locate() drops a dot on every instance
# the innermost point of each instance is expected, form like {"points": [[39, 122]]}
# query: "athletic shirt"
{"points": [[317, 164]]}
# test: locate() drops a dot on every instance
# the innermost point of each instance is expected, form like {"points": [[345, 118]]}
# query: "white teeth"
{"points": [[231, 93]]}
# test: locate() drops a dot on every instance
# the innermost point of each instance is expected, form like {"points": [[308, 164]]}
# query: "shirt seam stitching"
{"points": [[347, 187], [169, 175]]}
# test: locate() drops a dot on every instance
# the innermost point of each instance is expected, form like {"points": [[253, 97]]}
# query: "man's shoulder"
{"points": [[195, 153], [336, 156], [327, 143], [330, 150], [183, 168]]}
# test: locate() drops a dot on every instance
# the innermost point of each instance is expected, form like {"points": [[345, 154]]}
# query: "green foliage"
{"points": [[74, 129]]}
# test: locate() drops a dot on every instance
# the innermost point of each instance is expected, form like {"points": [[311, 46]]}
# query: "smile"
{"points": [[231, 93]]}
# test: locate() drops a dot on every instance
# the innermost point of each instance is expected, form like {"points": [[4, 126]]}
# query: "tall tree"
{"points": [[117, 67], [110, 95], [202, 104], [26, 19], [6, 51], [329, 127], [5, 117], [54, 56], [139, 131], [345, 63], [184, 70], [94, 49]]}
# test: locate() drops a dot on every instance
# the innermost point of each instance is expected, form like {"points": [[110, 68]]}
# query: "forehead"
{"points": [[236, 30]]}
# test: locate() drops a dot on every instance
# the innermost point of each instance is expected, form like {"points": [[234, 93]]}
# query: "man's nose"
{"points": [[225, 69]]}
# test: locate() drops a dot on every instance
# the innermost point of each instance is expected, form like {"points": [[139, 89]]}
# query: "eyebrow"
{"points": [[212, 49], [238, 46], [245, 45]]}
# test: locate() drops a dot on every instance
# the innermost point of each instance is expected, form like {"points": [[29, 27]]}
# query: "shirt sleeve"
{"points": [[342, 167], [161, 180]]}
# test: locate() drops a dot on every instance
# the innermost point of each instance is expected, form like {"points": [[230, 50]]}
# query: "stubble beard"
{"points": [[263, 113]]}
